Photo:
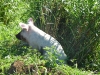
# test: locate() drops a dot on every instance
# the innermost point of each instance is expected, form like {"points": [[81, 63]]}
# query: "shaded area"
{"points": [[18, 48]]}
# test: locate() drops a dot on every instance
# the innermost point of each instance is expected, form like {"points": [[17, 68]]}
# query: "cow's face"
{"points": [[20, 36], [24, 33]]}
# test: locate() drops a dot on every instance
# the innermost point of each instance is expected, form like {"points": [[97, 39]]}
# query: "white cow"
{"points": [[38, 39]]}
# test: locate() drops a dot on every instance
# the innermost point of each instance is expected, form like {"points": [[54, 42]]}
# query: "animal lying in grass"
{"points": [[38, 39]]}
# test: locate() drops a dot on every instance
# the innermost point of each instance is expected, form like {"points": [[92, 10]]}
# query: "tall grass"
{"points": [[74, 23], [82, 34]]}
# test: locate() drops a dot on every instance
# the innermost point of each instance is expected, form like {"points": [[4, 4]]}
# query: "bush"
{"points": [[12, 11], [81, 32], [75, 24]]}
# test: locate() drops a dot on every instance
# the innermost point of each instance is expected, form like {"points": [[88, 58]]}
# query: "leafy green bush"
{"points": [[12, 11], [81, 34], [75, 24]]}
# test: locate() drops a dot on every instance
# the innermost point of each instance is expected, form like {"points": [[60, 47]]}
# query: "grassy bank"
{"points": [[74, 23]]}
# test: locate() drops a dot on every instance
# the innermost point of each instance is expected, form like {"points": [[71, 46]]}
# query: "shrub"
{"points": [[81, 32], [12, 11]]}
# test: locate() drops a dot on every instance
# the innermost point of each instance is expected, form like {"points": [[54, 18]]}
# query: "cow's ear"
{"points": [[30, 21], [24, 26]]}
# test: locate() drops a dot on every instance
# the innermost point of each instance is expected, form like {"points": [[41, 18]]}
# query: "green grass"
{"points": [[74, 23], [12, 50]]}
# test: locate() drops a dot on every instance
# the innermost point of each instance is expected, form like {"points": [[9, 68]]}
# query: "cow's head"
{"points": [[26, 28]]}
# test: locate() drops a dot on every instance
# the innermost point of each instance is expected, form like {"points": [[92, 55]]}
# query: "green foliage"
{"points": [[52, 57], [74, 23], [83, 32], [12, 11]]}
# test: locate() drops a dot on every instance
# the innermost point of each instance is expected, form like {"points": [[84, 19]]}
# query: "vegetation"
{"points": [[74, 23]]}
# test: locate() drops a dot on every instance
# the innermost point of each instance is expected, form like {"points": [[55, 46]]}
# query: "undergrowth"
{"points": [[12, 50], [74, 23]]}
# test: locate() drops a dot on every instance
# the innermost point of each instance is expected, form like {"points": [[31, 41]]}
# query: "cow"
{"points": [[38, 39]]}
